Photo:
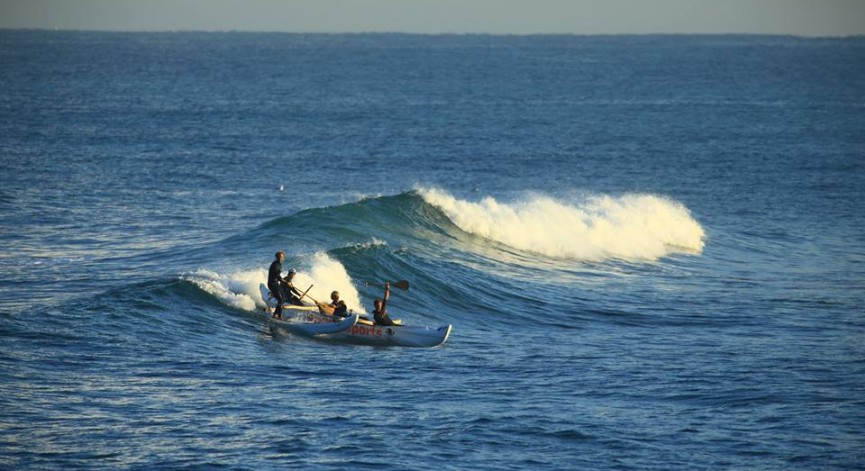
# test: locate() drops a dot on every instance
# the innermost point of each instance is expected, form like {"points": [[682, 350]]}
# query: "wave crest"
{"points": [[630, 227], [240, 289]]}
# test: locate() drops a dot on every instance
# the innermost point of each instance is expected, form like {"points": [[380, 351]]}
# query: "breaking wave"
{"points": [[321, 275], [631, 227]]}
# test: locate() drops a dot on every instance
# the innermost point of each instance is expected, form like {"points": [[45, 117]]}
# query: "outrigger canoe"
{"points": [[360, 331], [304, 320]]}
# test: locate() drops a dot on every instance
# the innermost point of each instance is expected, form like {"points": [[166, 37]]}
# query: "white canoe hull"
{"points": [[384, 336], [303, 320], [312, 324]]}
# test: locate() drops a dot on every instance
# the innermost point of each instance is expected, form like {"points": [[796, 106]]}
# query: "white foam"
{"points": [[241, 289], [327, 274], [631, 227], [238, 289]]}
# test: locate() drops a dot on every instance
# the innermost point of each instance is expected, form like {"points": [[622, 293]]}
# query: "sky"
{"points": [[792, 17]]}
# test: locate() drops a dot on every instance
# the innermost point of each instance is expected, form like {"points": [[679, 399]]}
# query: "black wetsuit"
{"points": [[340, 309], [381, 317], [274, 284]]}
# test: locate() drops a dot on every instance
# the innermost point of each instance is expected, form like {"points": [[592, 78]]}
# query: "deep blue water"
{"points": [[651, 248]]}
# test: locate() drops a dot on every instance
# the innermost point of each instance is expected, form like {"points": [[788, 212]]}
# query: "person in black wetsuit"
{"points": [[280, 287], [338, 305], [380, 311], [294, 294]]}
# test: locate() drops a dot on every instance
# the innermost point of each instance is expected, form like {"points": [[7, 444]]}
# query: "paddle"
{"points": [[304, 294], [401, 284], [322, 307]]}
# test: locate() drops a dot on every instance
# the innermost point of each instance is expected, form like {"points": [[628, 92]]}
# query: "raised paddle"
{"points": [[401, 284]]}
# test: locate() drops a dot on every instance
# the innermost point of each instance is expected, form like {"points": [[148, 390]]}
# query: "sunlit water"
{"points": [[650, 248]]}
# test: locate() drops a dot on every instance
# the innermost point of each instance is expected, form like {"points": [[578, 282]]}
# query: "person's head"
{"points": [[291, 273], [377, 303], [334, 296], [280, 255]]}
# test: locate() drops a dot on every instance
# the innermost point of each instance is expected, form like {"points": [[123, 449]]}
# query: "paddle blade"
{"points": [[401, 284], [325, 309]]}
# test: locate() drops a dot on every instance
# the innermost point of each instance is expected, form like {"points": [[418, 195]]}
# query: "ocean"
{"points": [[651, 250]]}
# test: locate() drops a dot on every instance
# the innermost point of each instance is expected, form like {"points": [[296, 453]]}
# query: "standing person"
{"points": [[274, 283], [277, 284], [380, 311]]}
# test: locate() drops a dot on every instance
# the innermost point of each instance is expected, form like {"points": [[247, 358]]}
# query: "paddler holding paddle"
{"points": [[338, 308], [338, 305], [380, 311], [281, 287]]}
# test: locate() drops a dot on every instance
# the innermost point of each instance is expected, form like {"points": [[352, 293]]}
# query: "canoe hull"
{"points": [[311, 324], [303, 320], [384, 336]]}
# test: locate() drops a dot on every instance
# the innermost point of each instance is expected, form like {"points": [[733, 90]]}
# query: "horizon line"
{"points": [[416, 33]]}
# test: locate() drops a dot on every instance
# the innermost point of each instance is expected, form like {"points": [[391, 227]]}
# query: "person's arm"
{"points": [[386, 297], [293, 290]]}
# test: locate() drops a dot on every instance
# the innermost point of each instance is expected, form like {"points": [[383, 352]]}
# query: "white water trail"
{"points": [[630, 227]]}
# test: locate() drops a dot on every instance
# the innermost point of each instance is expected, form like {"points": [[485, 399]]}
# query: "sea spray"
{"points": [[241, 289], [630, 227], [326, 275]]}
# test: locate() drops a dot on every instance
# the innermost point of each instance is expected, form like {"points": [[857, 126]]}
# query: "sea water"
{"points": [[651, 250]]}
